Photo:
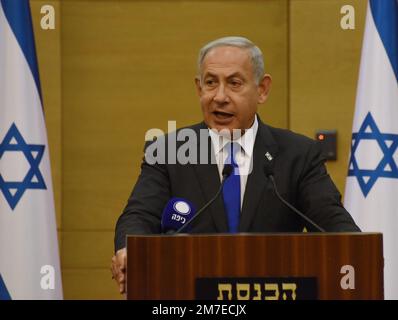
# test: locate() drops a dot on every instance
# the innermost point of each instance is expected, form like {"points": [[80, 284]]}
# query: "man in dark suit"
{"points": [[231, 84]]}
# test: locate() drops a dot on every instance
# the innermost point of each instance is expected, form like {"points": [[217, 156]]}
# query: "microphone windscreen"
{"points": [[176, 213]]}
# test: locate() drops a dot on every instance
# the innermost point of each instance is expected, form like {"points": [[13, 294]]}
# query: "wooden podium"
{"points": [[256, 266]]}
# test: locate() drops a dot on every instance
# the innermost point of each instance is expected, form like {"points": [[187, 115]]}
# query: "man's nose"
{"points": [[221, 95]]}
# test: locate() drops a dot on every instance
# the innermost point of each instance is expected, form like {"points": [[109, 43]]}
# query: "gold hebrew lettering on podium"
{"points": [[224, 287], [289, 287], [243, 291], [272, 287]]}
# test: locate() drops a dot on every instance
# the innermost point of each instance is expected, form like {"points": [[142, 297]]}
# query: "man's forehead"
{"points": [[227, 58], [227, 54]]}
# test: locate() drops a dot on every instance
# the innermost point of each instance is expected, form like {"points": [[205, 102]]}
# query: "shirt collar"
{"points": [[246, 141]]}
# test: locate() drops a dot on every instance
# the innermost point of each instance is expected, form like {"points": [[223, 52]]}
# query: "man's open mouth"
{"points": [[222, 114]]}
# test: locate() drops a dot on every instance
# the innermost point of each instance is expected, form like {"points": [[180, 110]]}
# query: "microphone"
{"points": [[175, 214], [269, 173], [226, 172]]}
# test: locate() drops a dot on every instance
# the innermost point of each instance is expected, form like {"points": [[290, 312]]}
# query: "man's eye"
{"points": [[236, 84], [210, 82]]}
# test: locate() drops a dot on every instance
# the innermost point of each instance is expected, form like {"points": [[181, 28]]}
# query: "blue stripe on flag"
{"points": [[4, 295], [20, 21], [385, 16]]}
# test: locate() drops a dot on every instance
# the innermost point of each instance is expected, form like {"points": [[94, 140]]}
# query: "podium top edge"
{"points": [[279, 234]]}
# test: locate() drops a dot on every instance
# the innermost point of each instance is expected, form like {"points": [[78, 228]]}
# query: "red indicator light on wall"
{"points": [[328, 141]]}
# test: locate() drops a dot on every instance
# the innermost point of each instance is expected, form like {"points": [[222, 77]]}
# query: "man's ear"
{"points": [[198, 86], [264, 87]]}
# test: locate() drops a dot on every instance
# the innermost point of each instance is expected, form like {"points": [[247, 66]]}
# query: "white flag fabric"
{"points": [[371, 194], [29, 258]]}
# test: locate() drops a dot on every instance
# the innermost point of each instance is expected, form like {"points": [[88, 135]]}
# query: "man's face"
{"points": [[228, 92]]}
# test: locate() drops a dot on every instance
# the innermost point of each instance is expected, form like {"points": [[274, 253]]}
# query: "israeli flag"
{"points": [[29, 259], [371, 194]]}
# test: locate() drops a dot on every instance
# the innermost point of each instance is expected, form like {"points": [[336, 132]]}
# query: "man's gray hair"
{"points": [[240, 42]]}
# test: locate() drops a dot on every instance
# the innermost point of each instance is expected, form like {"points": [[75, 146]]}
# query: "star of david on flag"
{"points": [[386, 168], [14, 142]]}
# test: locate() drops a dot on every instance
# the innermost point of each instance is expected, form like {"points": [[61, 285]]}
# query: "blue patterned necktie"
{"points": [[231, 189]]}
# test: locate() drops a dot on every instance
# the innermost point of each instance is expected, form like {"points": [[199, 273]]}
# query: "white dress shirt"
{"points": [[243, 156]]}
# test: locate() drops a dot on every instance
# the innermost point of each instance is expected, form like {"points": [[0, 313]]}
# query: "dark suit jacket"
{"points": [[300, 176]]}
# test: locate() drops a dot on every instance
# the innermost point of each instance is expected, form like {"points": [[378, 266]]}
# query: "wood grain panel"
{"points": [[87, 249], [165, 267], [93, 284]]}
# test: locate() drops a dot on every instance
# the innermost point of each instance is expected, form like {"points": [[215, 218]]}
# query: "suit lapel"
{"points": [[209, 181], [256, 182]]}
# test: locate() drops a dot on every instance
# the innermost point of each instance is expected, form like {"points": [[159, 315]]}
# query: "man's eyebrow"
{"points": [[235, 74]]}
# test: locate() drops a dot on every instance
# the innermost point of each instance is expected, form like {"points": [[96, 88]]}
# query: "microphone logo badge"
{"points": [[268, 156], [182, 207]]}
